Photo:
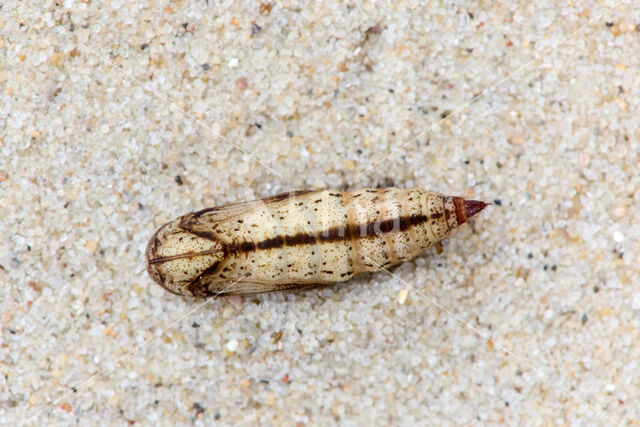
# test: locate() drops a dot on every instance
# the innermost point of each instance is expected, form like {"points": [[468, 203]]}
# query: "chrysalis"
{"points": [[300, 239]]}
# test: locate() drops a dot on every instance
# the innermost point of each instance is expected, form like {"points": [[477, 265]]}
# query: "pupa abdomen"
{"points": [[300, 239]]}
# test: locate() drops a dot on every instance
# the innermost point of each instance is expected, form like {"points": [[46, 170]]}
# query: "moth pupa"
{"points": [[300, 239]]}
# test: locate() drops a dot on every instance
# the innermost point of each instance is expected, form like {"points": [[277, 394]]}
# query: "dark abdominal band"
{"points": [[336, 234]]}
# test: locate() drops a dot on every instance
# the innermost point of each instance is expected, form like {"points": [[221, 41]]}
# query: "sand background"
{"points": [[118, 116]]}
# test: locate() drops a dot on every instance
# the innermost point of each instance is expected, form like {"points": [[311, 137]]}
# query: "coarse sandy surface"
{"points": [[117, 116]]}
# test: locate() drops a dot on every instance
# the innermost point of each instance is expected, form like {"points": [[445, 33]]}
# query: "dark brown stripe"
{"points": [[275, 242], [299, 239], [336, 234], [204, 211], [247, 246], [186, 255], [204, 234], [196, 288]]}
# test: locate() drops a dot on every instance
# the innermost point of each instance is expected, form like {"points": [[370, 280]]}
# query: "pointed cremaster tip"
{"points": [[472, 207]]}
